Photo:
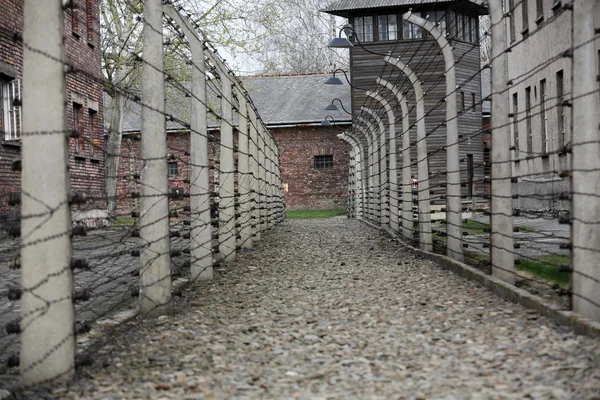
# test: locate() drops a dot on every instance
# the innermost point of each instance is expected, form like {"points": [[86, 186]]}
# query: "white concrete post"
{"points": [[244, 173], [371, 134], [453, 198], [383, 181], [407, 204], [47, 314], [425, 239], [358, 171], [585, 161], [155, 255], [269, 181], [254, 181], [227, 232], [262, 178], [201, 267], [502, 245], [393, 173], [350, 183], [362, 173]]}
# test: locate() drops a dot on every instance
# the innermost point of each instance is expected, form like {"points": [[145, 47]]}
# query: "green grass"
{"points": [[311, 214], [474, 227], [546, 268], [123, 221], [526, 229]]}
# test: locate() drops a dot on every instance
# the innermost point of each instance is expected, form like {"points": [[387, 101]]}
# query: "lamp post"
{"points": [[407, 204], [425, 239]]}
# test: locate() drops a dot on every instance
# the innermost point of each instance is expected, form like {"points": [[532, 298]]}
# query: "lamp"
{"points": [[332, 80], [326, 122], [344, 43], [333, 107]]}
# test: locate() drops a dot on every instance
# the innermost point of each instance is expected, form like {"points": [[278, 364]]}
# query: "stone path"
{"points": [[329, 309]]}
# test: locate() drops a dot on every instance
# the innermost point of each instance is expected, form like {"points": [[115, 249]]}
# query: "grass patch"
{"points": [[123, 221], [475, 227], [526, 229], [546, 268], [312, 214]]}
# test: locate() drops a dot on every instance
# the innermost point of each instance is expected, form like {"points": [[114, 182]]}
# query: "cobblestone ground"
{"points": [[329, 309]]}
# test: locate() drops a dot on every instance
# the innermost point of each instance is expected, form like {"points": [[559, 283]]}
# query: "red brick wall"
{"points": [[310, 188], [84, 84]]}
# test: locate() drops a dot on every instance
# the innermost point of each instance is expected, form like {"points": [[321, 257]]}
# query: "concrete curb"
{"points": [[578, 323]]}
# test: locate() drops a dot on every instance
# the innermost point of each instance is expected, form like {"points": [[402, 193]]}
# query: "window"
{"points": [[487, 168], [560, 98], [93, 132], [78, 128], [539, 4], [543, 118], [74, 19], [10, 94], [364, 28], [89, 14], [462, 102], [452, 23], [525, 15], [474, 29], [440, 21], [387, 27], [513, 35], [474, 105], [516, 123], [412, 31], [172, 168], [528, 129], [324, 162]]}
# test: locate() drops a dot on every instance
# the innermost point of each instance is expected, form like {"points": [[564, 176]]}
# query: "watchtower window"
{"points": [[388, 27], [364, 28]]}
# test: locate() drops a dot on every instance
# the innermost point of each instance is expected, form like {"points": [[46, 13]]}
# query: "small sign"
{"points": [[285, 188]]}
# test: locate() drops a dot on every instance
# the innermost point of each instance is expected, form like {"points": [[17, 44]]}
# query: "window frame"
{"points": [[361, 32], [525, 17], [560, 109], [93, 132], [170, 173], [387, 30], [544, 116], [528, 127], [11, 114], [320, 162], [512, 25], [515, 106], [78, 124]]}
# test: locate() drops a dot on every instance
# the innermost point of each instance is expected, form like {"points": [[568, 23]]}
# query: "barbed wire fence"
{"points": [[200, 182], [528, 211]]}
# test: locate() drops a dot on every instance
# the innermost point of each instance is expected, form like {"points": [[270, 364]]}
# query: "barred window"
{"points": [[324, 162], [173, 170], [10, 94]]}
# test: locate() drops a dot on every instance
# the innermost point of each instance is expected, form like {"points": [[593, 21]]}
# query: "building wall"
{"points": [[308, 187], [536, 55], [84, 87]]}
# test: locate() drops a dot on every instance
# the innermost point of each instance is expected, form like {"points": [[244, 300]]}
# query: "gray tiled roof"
{"points": [[280, 100], [340, 7]]}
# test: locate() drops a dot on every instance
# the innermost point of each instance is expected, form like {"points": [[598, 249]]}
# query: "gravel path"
{"points": [[330, 309]]}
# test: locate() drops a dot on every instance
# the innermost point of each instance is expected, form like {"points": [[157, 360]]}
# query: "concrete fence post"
{"points": [[453, 198], [262, 222], [585, 162], [379, 141], [366, 153], [407, 203], [201, 267], [227, 233], [357, 171], [47, 314], [425, 239], [254, 181], [244, 173], [155, 255], [392, 195], [502, 245], [371, 133]]}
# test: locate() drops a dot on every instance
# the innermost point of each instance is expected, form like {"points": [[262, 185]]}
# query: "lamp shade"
{"points": [[332, 107], [333, 81], [325, 123], [340, 43]]}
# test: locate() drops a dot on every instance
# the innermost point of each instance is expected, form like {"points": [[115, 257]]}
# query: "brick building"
{"points": [[314, 161], [84, 108]]}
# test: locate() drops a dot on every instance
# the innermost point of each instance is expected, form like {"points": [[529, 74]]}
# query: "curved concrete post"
{"points": [[364, 141], [425, 240], [407, 204], [502, 244], [351, 208], [360, 173], [201, 263], [358, 168], [382, 188], [585, 175], [392, 194], [245, 239], [371, 133], [227, 235], [453, 198]]}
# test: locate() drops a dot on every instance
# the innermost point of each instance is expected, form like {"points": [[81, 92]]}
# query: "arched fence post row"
{"points": [[407, 203], [585, 176], [200, 236], [359, 173], [45, 240], [501, 238], [355, 174], [350, 185], [155, 254], [453, 198], [425, 239], [227, 249], [364, 143], [381, 188], [244, 172], [371, 134], [392, 193]]}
